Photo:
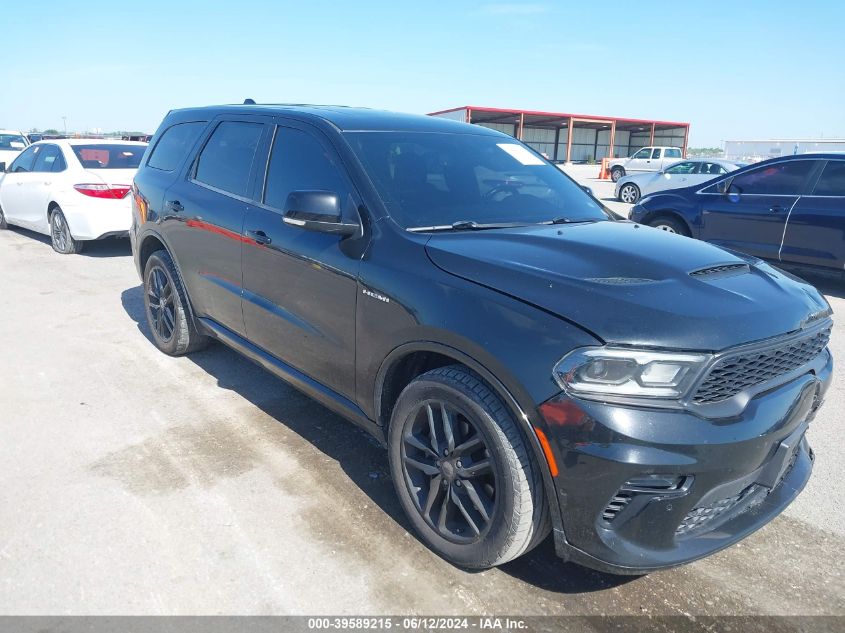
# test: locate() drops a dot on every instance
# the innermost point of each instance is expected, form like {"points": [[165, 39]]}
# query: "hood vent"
{"points": [[722, 270], [621, 281]]}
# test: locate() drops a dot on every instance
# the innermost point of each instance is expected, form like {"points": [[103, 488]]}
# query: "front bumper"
{"points": [[641, 490]]}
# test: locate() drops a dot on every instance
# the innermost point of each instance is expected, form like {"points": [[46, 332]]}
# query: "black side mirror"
{"points": [[734, 193], [317, 211]]}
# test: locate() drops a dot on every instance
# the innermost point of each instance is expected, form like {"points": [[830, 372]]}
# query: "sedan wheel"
{"points": [[3, 224], [670, 225], [60, 236], [629, 193]]}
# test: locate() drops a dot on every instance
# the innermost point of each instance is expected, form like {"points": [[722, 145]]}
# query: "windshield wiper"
{"points": [[564, 220], [465, 225]]}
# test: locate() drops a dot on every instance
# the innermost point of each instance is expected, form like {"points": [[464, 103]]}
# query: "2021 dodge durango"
{"points": [[529, 363]]}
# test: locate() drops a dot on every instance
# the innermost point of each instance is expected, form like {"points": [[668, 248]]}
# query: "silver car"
{"points": [[684, 174]]}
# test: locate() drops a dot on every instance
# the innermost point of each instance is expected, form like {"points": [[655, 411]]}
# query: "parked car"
{"points": [[789, 210], [524, 358], [72, 190], [646, 159], [11, 144], [684, 174]]}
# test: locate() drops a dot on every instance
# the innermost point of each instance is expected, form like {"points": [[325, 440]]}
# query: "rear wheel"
{"points": [[60, 238], [670, 225], [3, 224], [616, 173], [463, 472], [630, 193], [165, 304]]}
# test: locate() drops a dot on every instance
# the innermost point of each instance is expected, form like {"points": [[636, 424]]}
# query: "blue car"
{"points": [[789, 210]]}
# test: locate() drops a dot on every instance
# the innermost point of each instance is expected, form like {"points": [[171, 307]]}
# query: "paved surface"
{"points": [[136, 483]]}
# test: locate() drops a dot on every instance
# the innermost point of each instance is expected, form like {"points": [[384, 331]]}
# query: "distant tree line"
{"points": [[710, 152]]}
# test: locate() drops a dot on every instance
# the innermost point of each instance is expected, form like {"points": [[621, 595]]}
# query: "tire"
{"points": [[616, 173], [3, 224], [495, 509], [60, 237], [166, 307], [670, 225], [629, 193]]}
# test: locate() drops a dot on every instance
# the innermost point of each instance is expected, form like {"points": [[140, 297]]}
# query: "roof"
{"points": [[12, 132], [87, 141], [341, 117]]}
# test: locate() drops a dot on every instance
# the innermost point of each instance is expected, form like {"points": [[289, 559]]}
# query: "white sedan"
{"points": [[72, 190], [684, 174]]}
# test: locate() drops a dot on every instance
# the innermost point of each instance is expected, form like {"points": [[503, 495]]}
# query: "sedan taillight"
{"points": [[112, 192]]}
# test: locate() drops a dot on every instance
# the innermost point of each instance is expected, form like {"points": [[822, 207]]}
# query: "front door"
{"points": [[640, 161], [751, 218], [815, 231], [18, 187], [300, 287]]}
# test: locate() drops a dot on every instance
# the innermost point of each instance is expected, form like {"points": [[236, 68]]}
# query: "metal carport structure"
{"points": [[565, 137]]}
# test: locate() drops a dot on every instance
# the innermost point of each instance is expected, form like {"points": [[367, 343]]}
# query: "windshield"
{"points": [[436, 180], [117, 156], [12, 142]]}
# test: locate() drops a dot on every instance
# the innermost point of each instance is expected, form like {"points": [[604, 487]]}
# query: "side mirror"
{"points": [[734, 193], [2, 168], [317, 211]]}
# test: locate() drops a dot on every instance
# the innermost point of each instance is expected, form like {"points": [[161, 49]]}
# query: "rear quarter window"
{"points": [[174, 143]]}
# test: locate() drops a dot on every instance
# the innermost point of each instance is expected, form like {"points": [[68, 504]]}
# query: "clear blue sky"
{"points": [[733, 69]]}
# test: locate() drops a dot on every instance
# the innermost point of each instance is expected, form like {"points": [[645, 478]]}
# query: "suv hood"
{"points": [[630, 284]]}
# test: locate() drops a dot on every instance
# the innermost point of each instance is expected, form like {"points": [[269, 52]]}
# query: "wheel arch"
{"points": [[668, 213], [413, 359]]}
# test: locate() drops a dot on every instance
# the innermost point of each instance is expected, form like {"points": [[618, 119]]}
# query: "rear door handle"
{"points": [[259, 236], [776, 208], [175, 206]]}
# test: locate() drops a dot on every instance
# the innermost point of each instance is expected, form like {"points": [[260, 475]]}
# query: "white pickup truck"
{"points": [[652, 158]]}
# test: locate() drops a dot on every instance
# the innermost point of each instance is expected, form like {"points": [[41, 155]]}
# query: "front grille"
{"points": [[731, 375]]}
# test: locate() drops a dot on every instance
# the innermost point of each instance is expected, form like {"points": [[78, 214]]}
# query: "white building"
{"points": [[763, 149]]}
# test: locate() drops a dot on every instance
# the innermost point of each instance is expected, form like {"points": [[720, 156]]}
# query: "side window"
{"points": [[643, 153], [59, 164], [46, 158], [711, 169], [832, 181], [298, 161], [785, 178], [672, 153], [687, 167], [225, 162], [26, 159], [655, 153], [174, 144]]}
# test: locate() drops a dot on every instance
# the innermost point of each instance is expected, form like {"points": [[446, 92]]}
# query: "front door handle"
{"points": [[776, 208], [259, 236], [175, 206]]}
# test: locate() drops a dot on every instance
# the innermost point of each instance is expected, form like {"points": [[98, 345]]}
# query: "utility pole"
{"points": [[64, 121]]}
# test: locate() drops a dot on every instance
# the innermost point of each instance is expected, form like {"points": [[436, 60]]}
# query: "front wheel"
{"points": [[629, 193], [616, 173], [3, 224], [670, 225], [60, 237], [463, 471]]}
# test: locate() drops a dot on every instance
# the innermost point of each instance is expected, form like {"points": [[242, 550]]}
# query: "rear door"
{"points": [[815, 230], [300, 287], [753, 219], [204, 214]]}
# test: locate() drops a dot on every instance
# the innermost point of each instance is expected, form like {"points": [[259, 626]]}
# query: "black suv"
{"points": [[529, 362]]}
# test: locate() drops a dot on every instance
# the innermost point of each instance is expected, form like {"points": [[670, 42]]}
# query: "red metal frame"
{"points": [[561, 115]]}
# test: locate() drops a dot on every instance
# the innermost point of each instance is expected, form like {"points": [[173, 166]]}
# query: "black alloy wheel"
{"points": [[161, 306], [447, 466]]}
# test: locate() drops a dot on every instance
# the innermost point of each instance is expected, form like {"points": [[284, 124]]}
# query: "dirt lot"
{"points": [[137, 483]]}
